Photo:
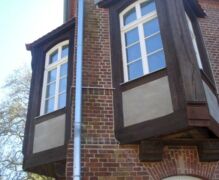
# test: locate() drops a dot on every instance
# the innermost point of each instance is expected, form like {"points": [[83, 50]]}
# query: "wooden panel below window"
{"points": [[49, 134], [146, 102]]}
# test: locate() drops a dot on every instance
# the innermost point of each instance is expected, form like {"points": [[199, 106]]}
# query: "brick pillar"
{"points": [[103, 158]]}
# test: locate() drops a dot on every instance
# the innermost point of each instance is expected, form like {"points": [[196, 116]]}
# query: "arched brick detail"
{"points": [[181, 161]]}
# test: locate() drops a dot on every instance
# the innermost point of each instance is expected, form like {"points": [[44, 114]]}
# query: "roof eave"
{"points": [[64, 27]]}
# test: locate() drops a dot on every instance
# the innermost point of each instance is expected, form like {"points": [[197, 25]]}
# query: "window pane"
{"points": [[153, 43], [63, 69], [133, 52], [49, 106], [62, 84], [131, 36], [135, 70], [64, 51], [50, 91], [147, 7], [62, 100], [53, 57], [51, 75], [130, 16], [156, 61], [151, 27]]}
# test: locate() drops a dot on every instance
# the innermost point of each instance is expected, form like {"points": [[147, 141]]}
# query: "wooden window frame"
{"points": [[39, 49], [171, 15], [138, 23], [48, 67]]}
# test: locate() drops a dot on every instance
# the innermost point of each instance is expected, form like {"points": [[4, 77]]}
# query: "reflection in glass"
{"points": [[156, 61], [151, 27], [62, 100], [131, 36], [130, 16], [63, 69], [50, 90], [53, 57], [153, 43], [62, 84], [64, 51], [135, 70], [49, 106], [133, 52], [51, 75], [147, 7]]}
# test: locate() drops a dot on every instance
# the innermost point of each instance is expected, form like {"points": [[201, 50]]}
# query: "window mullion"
{"points": [[138, 11], [49, 67], [143, 49], [57, 88], [43, 98], [124, 59]]}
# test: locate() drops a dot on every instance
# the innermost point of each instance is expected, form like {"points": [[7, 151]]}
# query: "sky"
{"points": [[22, 22]]}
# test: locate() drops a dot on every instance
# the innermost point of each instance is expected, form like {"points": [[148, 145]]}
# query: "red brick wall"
{"points": [[210, 31], [102, 157]]}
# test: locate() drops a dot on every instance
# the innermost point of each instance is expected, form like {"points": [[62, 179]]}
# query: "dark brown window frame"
{"points": [[39, 49], [193, 9]]}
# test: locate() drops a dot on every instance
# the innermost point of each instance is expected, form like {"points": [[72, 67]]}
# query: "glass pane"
{"points": [[49, 106], [64, 51], [50, 91], [62, 84], [156, 61], [135, 70], [63, 69], [131, 36], [62, 100], [153, 43], [53, 57], [51, 75], [130, 16], [147, 7], [151, 27], [133, 52]]}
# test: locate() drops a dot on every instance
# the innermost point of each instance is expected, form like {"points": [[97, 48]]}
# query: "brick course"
{"points": [[102, 156], [210, 30]]}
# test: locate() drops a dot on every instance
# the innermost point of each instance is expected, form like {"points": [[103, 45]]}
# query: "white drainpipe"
{"points": [[78, 93], [66, 11]]}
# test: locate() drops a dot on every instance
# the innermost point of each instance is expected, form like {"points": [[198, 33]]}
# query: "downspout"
{"points": [[66, 10], [78, 93]]}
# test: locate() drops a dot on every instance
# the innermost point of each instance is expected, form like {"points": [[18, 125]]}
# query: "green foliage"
{"points": [[13, 109]]}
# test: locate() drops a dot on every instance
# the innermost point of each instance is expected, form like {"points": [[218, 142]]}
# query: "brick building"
{"points": [[150, 83]]}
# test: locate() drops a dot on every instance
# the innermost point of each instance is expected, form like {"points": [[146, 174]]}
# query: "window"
{"points": [[194, 41], [55, 79], [142, 46]]}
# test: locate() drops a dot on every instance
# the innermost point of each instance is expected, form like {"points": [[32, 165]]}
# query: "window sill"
{"points": [[143, 79], [50, 115]]}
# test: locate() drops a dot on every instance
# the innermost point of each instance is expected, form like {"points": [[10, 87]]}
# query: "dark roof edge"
{"points": [[64, 27], [199, 11], [105, 3], [195, 5]]}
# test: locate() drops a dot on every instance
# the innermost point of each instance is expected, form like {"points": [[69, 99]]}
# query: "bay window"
{"points": [[48, 124], [55, 78], [142, 46]]}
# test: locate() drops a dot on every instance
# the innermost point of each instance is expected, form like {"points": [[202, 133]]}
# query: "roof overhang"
{"points": [[58, 31], [194, 4]]}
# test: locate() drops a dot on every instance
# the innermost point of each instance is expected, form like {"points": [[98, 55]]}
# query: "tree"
{"points": [[13, 109]]}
